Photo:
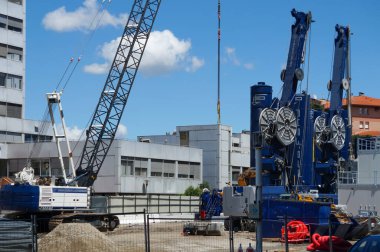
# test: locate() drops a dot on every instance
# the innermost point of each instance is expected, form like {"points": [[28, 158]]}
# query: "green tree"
{"points": [[204, 185]]}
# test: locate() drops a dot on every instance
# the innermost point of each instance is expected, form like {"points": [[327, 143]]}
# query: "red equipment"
{"points": [[298, 232], [322, 243]]}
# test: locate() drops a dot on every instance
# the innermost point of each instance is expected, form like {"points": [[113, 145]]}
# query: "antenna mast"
{"points": [[218, 106]]}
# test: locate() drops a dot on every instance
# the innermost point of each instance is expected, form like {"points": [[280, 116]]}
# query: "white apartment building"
{"points": [[13, 127]]}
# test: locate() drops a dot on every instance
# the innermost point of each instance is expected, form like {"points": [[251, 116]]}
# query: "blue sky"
{"points": [[177, 82]]}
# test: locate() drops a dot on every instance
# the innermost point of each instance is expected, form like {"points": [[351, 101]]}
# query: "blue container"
{"points": [[19, 198], [313, 214], [261, 98]]}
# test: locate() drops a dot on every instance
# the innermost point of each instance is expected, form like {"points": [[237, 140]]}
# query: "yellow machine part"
{"points": [[243, 179]]}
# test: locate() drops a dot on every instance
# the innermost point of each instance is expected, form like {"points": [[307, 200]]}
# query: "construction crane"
{"points": [[114, 96], [51, 200], [332, 129]]}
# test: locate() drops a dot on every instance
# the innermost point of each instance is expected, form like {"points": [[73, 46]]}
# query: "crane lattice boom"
{"points": [[114, 96]]}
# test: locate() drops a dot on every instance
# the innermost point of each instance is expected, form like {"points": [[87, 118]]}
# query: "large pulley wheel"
{"points": [[338, 132], [319, 131], [267, 121], [286, 123]]}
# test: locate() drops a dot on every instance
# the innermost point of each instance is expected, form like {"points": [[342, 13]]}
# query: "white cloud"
{"points": [[231, 55], [164, 53], [75, 133], [233, 58], [97, 68], [81, 19], [248, 66], [121, 132], [196, 63]]}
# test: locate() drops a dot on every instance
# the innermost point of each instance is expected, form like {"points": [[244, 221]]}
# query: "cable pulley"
{"points": [[320, 130], [286, 125], [267, 122], [338, 132]]}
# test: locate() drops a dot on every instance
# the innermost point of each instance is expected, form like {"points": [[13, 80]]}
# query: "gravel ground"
{"points": [[167, 236], [164, 237]]}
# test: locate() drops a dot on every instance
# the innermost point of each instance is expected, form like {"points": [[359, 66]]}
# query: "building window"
{"points": [[366, 125], [16, 1], [361, 125], [3, 50], [2, 79], [14, 53], [184, 138], [3, 109], [3, 21], [169, 168], [14, 24], [195, 170], [134, 166], [156, 167], [14, 110], [3, 168], [33, 138], [55, 166], [127, 167], [363, 111], [183, 169], [10, 81], [14, 81], [235, 173], [13, 137]]}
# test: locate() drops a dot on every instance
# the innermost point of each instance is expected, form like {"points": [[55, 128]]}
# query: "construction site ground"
{"points": [[164, 236]]}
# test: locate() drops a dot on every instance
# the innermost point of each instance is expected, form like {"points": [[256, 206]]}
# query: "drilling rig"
{"points": [[332, 128]]}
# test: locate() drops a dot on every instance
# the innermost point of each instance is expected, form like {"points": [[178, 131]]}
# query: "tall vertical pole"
{"points": [[259, 187], [218, 106], [219, 159]]}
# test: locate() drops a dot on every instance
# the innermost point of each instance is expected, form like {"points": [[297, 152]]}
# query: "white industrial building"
{"points": [[225, 154], [130, 167], [165, 164]]}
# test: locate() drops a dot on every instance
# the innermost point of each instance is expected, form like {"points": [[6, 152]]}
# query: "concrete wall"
{"points": [[355, 196]]}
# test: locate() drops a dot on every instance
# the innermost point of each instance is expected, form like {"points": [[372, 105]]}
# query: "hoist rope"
{"points": [[64, 73]]}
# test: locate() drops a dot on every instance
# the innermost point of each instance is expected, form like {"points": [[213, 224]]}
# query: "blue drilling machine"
{"points": [[302, 149]]}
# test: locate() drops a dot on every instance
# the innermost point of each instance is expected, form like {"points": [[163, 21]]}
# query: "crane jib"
{"points": [[114, 96]]}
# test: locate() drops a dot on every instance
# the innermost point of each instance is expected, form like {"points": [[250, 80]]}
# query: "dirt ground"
{"points": [[168, 237]]}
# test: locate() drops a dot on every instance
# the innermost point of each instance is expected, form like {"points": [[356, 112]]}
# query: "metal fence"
{"points": [[17, 235], [157, 234], [153, 203]]}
